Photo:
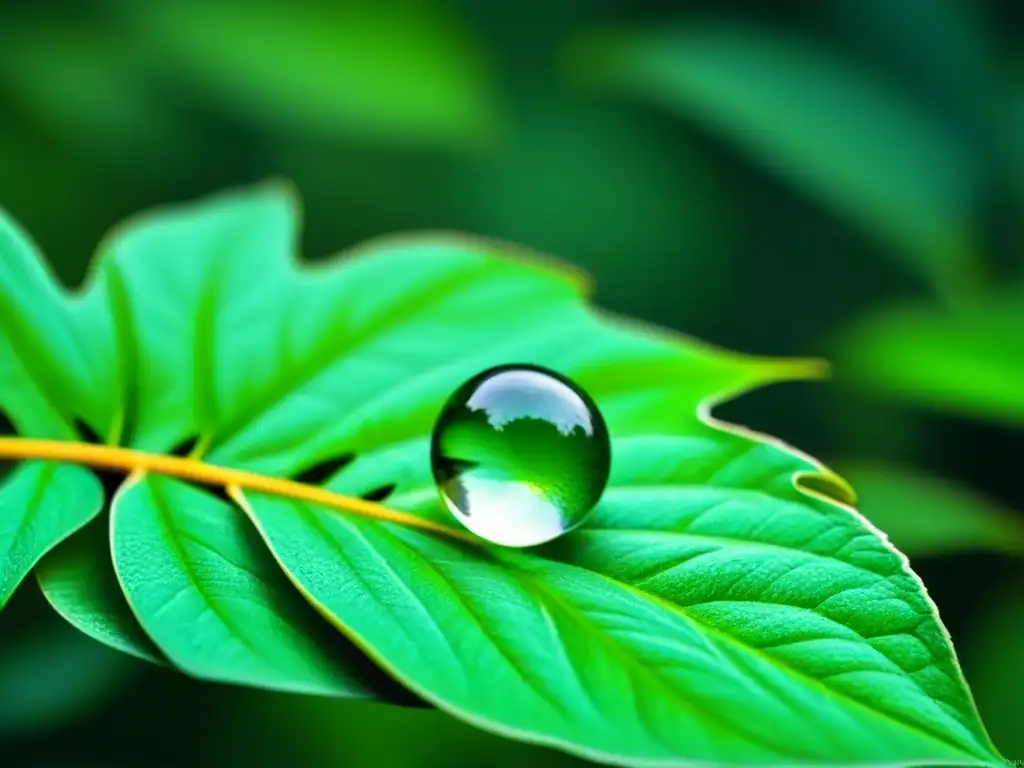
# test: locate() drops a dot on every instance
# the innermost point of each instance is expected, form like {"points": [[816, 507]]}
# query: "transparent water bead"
{"points": [[520, 455]]}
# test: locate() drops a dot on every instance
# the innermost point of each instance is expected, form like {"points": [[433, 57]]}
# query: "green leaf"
{"points": [[927, 515], [211, 597], [44, 353], [40, 504], [816, 120], [78, 580], [969, 361], [43, 359], [722, 604], [405, 73], [726, 625]]}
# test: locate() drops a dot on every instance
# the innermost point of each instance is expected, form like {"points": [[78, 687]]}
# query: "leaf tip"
{"points": [[798, 369], [751, 372], [826, 485]]}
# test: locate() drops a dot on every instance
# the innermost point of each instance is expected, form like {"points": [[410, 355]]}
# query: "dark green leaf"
{"points": [[610, 187], [400, 73], [817, 120], [1015, 139], [942, 51], [82, 83]]}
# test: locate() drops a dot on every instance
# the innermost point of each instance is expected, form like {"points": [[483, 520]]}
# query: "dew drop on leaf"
{"points": [[520, 455]]}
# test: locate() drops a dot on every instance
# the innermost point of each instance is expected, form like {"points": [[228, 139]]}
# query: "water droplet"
{"points": [[520, 455]]}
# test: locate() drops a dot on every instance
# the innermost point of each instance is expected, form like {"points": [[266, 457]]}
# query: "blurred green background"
{"points": [[840, 178]]}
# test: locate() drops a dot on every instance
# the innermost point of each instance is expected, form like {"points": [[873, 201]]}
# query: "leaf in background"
{"points": [[83, 84], [1015, 140], [969, 361], [720, 605], [925, 515], [610, 187], [816, 120], [942, 51], [393, 73], [996, 665]]}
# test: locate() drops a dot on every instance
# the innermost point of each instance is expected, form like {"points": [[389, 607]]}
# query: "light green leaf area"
{"points": [[394, 73], [722, 604], [926, 515], [211, 597], [726, 623], [968, 361], [44, 355], [823, 123], [40, 504]]}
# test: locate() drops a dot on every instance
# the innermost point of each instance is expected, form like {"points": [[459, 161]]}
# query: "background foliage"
{"points": [[842, 179]]}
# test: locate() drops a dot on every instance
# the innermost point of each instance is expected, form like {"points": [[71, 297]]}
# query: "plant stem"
{"points": [[128, 460]]}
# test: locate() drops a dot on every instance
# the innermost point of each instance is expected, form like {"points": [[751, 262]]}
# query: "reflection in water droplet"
{"points": [[520, 455]]}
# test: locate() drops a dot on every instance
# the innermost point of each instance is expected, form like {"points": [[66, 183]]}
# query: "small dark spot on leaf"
{"points": [[379, 494], [87, 433], [185, 447], [110, 481], [318, 474], [6, 428]]}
